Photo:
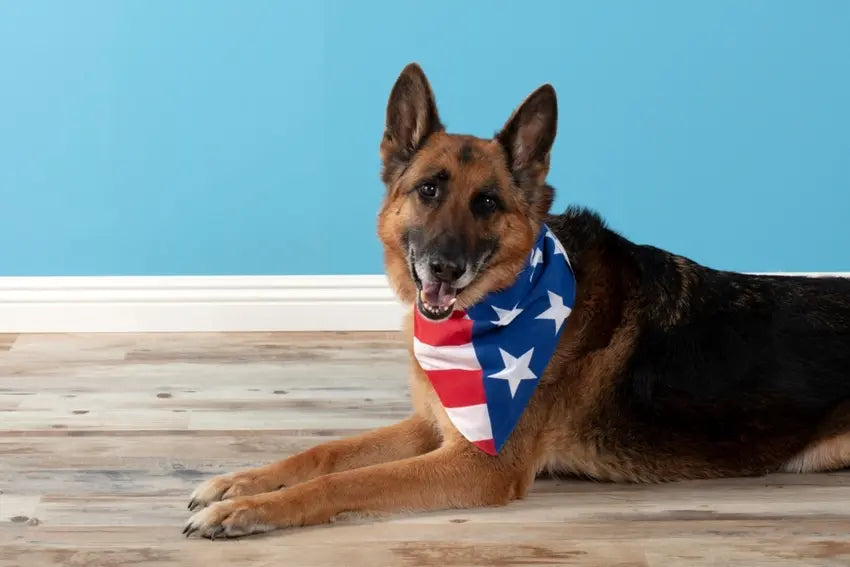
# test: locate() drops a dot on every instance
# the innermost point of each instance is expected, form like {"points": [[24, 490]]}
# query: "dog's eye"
{"points": [[427, 190], [485, 205]]}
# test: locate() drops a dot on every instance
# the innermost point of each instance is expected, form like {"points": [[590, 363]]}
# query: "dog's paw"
{"points": [[228, 518], [246, 483]]}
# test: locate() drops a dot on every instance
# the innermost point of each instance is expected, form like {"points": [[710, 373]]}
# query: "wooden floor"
{"points": [[103, 437]]}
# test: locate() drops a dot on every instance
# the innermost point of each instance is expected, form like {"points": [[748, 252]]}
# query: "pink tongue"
{"points": [[438, 294]]}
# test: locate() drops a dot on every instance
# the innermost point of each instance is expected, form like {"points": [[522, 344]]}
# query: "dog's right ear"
{"points": [[411, 118]]}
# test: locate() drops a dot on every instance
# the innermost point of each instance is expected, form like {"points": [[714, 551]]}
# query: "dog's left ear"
{"points": [[528, 136]]}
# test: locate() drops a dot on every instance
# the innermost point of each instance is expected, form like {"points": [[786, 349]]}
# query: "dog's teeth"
{"points": [[435, 310]]}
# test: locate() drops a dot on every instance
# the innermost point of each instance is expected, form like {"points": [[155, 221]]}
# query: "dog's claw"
{"points": [[189, 530], [218, 531], [194, 504]]}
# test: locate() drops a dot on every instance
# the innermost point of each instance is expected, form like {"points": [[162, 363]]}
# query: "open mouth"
{"points": [[436, 300]]}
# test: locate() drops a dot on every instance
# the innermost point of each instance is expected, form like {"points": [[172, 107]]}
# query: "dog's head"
{"points": [[461, 213]]}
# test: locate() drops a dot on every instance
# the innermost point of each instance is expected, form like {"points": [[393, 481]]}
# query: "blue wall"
{"points": [[212, 137]]}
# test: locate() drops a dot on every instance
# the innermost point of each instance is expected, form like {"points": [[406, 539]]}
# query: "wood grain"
{"points": [[6, 340], [102, 438]]}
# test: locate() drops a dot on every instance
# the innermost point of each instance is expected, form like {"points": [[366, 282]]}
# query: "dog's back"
{"points": [[732, 373]]}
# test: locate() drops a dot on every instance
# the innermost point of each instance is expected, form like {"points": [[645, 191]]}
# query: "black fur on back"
{"points": [[722, 362]]}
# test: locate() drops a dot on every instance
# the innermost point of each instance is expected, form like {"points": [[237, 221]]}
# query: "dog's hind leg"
{"points": [[825, 455], [831, 450], [408, 438]]}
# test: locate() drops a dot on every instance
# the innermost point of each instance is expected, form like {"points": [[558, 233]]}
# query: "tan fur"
{"points": [[408, 438], [831, 449], [825, 455]]}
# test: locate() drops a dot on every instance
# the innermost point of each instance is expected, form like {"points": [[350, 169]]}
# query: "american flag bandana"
{"points": [[485, 362]]}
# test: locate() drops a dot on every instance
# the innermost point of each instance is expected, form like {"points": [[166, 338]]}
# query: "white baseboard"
{"points": [[197, 304], [203, 303]]}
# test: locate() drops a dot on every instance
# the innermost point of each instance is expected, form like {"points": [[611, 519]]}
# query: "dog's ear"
{"points": [[528, 136], [411, 118]]}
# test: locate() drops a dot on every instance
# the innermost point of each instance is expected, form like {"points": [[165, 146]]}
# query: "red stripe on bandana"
{"points": [[487, 445], [458, 388], [454, 331]]}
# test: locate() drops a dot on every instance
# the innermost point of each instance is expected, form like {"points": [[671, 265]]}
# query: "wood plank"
{"points": [[652, 543], [7, 340]]}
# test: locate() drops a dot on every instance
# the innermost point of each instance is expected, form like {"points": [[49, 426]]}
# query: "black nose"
{"points": [[447, 270]]}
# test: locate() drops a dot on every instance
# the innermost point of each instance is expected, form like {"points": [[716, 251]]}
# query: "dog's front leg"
{"points": [[454, 476], [407, 438]]}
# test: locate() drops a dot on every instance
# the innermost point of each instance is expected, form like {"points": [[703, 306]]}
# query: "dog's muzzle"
{"points": [[439, 281]]}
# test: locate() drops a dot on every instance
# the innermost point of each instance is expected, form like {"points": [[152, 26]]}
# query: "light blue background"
{"points": [[241, 137]]}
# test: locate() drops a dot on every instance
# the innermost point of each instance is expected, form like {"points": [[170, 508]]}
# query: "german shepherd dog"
{"points": [[665, 370]]}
